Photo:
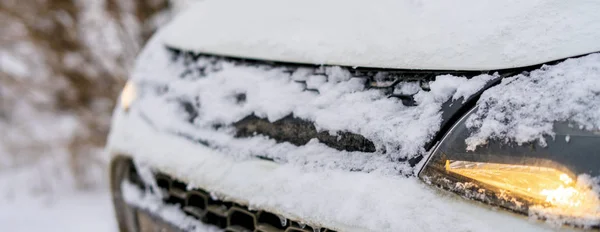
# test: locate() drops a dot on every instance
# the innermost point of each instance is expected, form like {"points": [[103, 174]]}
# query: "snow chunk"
{"points": [[458, 87], [407, 88], [524, 107]]}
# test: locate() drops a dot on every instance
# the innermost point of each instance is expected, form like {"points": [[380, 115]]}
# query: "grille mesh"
{"points": [[231, 217]]}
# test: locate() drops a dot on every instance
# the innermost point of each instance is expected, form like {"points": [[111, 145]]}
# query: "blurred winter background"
{"points": [[62, 65]]}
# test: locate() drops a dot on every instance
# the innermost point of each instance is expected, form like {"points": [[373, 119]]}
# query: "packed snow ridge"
{"points": [[523, 108]]}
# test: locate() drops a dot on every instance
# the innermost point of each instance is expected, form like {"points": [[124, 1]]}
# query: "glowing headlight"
{"points": [[128, 95], [553, 181]]}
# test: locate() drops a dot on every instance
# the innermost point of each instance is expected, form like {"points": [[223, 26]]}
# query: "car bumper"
{"points": [[344, 201]]}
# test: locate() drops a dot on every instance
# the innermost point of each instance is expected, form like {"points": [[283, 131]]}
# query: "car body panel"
{"points": [[407, 34], [362, 202]]}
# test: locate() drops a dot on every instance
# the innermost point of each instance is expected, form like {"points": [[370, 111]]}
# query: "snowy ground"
{"points": [[83, 211]]}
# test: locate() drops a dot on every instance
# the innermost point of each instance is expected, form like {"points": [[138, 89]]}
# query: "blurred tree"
{"points": [[62, 64]]}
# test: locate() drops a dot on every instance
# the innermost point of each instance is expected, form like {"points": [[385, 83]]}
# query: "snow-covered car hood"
{"points": [[408, 34]]}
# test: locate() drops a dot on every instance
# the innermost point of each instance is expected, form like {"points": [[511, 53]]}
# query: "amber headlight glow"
{"points": [[128, 95], [558, 181]]}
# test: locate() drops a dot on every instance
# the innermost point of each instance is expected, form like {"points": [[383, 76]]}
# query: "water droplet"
{"points": [[302, 225], [283, 221]]}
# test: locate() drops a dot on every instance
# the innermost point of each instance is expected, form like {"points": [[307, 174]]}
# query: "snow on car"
{"points": [[354, 116]]}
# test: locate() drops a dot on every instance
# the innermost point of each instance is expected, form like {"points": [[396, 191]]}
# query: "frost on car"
{"points": [[245, 130]]}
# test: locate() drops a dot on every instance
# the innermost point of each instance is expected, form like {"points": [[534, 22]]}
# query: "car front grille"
{"points": [[300, 132], [230, 216], [292, 128]]}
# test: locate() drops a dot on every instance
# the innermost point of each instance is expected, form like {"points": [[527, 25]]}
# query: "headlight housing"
{"points": [[552, 182]]}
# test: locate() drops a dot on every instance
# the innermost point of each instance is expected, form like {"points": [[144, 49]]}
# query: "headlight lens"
{"points": [[552, 181], [128, 95]]}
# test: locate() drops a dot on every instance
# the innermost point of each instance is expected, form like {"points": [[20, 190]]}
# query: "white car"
{"points": [[407, 115]]}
